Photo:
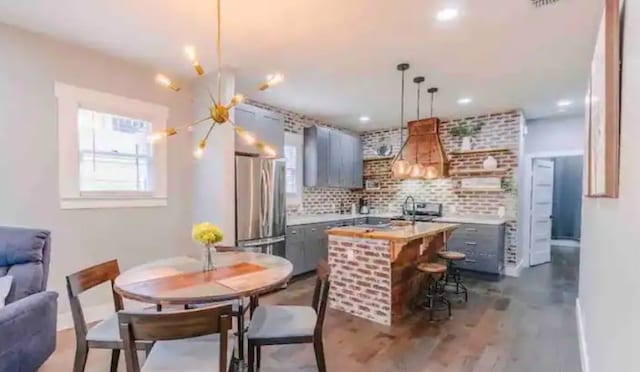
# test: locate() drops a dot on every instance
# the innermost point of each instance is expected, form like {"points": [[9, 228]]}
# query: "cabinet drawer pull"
{"points": [[313, 229], [470, 243], [470, 260], [293, 232], [471, 229]]}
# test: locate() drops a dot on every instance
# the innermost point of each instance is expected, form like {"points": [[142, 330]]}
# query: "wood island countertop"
{"points": [[395, 233]]}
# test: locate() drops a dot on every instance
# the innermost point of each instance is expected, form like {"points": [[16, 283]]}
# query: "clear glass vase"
{"points": [[207, 257]]}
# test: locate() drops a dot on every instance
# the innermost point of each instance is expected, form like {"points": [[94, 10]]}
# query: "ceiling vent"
{"points": [[541, 3]]}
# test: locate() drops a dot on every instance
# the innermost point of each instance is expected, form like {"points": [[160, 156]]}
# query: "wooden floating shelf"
{"points": [[457, 172], [379, 158], [478, 190], [480, 151]]}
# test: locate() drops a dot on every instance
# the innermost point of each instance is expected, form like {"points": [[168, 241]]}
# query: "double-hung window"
{"points": [[105, 156], [293, 147]]}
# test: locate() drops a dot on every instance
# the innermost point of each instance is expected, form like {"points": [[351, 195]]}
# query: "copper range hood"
{"points": [[423, 148]]}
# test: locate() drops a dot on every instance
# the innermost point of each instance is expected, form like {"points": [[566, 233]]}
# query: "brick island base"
{"points": [[376, 279]]}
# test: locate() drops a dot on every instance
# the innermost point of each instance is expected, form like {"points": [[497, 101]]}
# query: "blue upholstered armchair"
{"points": [[28, 321]]}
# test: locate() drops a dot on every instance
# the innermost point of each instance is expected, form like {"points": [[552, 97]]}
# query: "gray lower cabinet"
{"points": [[307, 244], [482, 244]]}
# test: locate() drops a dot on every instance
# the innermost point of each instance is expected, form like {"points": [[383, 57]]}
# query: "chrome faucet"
{"points": [[413, 203]]}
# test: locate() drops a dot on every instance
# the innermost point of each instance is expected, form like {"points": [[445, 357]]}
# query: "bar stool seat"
{"points": [[453, 276], [432, 268], [431, 296], [452, 256]]}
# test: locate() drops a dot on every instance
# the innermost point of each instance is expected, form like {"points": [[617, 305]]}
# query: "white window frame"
{"points": [[296, 140], [70, 98]]}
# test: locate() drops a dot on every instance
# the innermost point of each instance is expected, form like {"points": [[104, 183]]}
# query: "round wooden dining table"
{"points": [[181, 281]]}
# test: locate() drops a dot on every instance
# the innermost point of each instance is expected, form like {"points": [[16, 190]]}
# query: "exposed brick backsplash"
{"points": [[500, 130], [361, 277]]}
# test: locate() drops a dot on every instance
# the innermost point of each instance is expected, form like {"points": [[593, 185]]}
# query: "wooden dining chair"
{"points": [[104, 334], [280, 324], [190, 340]]}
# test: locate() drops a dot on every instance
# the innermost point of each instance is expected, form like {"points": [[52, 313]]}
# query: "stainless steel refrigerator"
{"points": [[260, 204]]}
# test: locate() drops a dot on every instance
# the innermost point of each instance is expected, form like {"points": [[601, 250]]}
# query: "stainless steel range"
{"points": [[425, 212]]}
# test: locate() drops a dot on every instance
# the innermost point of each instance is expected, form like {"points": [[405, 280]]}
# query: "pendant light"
{"points": [[431, 172], [400, 168], [417, 170]]}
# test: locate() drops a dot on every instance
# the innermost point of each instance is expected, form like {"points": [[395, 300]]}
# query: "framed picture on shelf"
{"points": [[602, 111]]}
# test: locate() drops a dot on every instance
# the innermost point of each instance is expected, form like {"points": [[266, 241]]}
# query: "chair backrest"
{"points": [[149, 326], [321, 293], [25, 255], [84, 280]]}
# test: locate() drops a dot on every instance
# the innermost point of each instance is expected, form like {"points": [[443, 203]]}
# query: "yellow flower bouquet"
{"points": [[206, 234]]}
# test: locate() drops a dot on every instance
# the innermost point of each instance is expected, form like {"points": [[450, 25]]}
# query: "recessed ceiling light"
{"points": [[447, 14], [364, 119], [564, 103], [464, 101]]}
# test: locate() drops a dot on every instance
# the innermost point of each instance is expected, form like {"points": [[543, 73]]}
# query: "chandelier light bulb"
{"points": [[190, 51], [238, 98], [269, 151], [166, 82], [155, 137], [272, 80], [200, 150]]}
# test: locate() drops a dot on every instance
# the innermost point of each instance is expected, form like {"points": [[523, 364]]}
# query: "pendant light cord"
{"points": [[418, 106], [431, 114], [402, 116]]}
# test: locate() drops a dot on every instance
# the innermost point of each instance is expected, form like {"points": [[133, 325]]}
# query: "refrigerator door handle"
{"points": [[263, 202]]}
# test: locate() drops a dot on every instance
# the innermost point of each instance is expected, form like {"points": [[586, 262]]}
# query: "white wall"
{"points": [[609, 295], [555, 134], [29, 65], [214, 174]]}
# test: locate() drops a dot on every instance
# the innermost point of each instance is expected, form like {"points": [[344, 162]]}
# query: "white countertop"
{"points": [[483, 220], [318, 218]]}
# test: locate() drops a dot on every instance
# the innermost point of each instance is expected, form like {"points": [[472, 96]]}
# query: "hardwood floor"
{"points": [[516, 325]]}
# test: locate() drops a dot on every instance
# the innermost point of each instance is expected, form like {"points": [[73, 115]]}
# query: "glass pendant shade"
{"points": [[400, 168], [431, 172], [417, 171]]}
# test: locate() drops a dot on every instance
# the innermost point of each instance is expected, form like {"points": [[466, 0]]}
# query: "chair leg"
{"points": [[80, 361], [241, 331], [115, 357], [258, 350], [319, 349], [251, 350]]}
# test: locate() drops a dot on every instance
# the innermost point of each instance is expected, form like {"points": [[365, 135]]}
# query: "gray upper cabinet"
{"points": [[266, 125], [332, 158]]}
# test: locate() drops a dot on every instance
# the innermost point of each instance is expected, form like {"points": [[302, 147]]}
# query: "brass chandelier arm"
{"points": [[213, 100]]}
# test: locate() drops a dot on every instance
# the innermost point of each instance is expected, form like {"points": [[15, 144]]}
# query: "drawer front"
{"points": [[314, 231], [295, 233], [474, 245], [474, 231]]}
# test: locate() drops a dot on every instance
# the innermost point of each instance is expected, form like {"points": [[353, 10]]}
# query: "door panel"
{"points": [[541, 209], [335, 158]]}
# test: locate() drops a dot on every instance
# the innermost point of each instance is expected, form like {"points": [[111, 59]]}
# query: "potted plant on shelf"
{"points": [[467, 132], [206, 234]]}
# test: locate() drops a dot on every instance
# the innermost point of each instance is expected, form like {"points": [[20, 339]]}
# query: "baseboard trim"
{"points": [[95, 313], [514, 271], [584, 356]]}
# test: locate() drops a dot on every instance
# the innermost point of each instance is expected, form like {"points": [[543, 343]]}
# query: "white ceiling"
{"points": [[339, 56]]}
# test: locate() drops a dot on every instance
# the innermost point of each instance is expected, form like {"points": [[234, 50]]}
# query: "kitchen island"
{"points": [[373, 273]]}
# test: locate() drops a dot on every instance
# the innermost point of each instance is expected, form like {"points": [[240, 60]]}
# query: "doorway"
{"points": [[552, 206]]}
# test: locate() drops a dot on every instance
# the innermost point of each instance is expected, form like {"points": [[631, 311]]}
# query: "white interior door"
{"points": [[540, 214]]}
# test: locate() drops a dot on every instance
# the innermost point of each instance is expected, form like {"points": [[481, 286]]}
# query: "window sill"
{"points": [[99, 203]]}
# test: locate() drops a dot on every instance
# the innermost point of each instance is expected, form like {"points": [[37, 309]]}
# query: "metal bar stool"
{"points": [[432, 296], [453, 277]]}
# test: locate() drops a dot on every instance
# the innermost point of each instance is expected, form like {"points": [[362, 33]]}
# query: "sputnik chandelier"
{"points": [[218, 112]]}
